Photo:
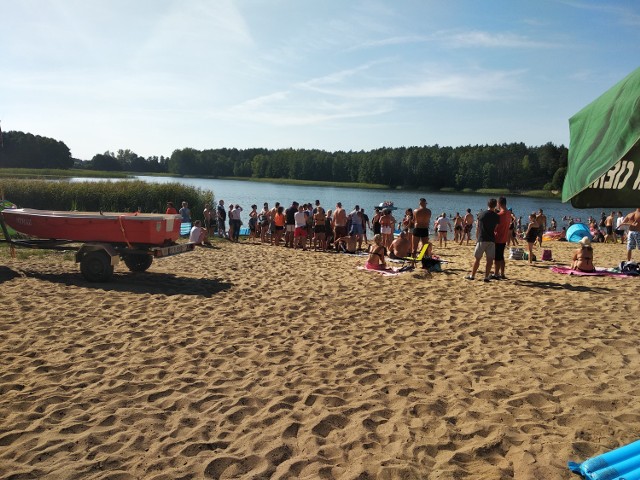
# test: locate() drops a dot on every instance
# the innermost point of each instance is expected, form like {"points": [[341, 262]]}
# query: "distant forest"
{"points": [[512, 166]]}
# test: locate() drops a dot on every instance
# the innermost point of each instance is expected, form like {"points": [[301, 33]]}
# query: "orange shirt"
{"points": [[502, 230], [278, 219]]}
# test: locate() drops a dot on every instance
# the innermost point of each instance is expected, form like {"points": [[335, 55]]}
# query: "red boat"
{"points": [[116, 228]]}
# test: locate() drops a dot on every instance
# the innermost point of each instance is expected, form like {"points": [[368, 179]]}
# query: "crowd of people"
{"points": [[312, 227]]}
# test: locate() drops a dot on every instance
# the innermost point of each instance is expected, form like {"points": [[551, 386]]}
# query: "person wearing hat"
{"points": [[583, 257]]}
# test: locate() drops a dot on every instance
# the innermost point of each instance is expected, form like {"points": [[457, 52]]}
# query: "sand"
{"points": [[249, 361]]}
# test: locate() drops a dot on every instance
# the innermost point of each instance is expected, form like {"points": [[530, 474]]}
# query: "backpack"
{"points": [[630, 268]]}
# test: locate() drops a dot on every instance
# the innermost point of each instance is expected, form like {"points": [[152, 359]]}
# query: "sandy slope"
{"points": [[248, 361]]}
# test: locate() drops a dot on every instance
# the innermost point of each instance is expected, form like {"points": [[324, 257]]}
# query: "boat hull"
{"points": [[125, 228]]}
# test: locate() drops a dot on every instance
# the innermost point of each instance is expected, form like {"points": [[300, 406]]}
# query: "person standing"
{"points": [[222, 218], [488, 220], [421, 221], [633, 237], [457, 227], [300, 232], [339, 221], [609, 224], [357, 227], [207, 213], [365, 225], [387, 223], [620, 230], [290, 228], [503, 233], [468, 226], [171, 210], [541, 220], [185, 213], [443, 226]]}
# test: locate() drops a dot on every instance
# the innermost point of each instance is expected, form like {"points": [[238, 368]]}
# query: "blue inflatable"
{"points": [[620, 464], [577, 232]]}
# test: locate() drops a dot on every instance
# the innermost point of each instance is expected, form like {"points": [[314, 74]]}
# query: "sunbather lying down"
{"points": [[583, 257]]}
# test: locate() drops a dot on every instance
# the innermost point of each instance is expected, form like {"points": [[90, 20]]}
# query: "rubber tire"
{"points": [[138, 262], [96, 267]]}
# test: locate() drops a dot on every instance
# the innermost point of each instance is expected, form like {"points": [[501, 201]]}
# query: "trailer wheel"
{"points": [[96, 266], [138, 262]]}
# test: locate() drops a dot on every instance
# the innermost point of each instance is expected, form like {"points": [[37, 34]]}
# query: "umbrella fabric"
{"points": [[604, 153]]}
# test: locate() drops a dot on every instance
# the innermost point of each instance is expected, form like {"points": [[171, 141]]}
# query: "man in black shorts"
{"points": [[421, 220]]}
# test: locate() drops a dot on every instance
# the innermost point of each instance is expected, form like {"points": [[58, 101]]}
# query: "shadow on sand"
{"points": [[151, 283], [7, 274], [561, 286]]}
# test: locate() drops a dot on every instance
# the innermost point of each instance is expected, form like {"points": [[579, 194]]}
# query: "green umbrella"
{"points": [[604, 151]]}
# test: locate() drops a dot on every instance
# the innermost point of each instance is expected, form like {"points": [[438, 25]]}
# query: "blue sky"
{"points": [[157, 75]]}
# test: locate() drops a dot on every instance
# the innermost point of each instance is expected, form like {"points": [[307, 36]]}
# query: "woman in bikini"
{"points": [[583, 257], [319, 230], [377, 252], [387, 224]]}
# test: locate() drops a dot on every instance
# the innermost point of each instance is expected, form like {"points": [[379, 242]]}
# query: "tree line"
{"points": [[512, 166]]}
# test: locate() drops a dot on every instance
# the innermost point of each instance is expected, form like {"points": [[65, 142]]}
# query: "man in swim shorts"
{"points": [[633, 237], [339, 221], [421, 221], [467, 225], [541, 218], [488, 220]]}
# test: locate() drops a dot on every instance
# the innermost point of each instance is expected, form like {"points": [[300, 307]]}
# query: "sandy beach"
{"points": [[251, 362]]}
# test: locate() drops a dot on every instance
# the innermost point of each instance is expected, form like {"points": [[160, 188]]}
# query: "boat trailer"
{"points": [[98, 259]]}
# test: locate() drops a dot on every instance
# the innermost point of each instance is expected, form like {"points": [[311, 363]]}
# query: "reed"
{"points": [[111, 196], [49, 173]]}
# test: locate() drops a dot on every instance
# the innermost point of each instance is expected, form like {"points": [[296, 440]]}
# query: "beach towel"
{"points": [[386, 273], [620, 464], [600, 272]]}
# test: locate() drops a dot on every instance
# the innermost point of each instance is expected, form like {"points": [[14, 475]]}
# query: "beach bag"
{"points": [[431, 264], [525, 256], [516, 253], [630, 268], [546, 255]]}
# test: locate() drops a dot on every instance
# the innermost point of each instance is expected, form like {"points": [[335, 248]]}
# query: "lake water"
{"points": [[247, 193]]}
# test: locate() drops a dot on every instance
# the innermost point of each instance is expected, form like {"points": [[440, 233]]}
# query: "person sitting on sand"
{"points": [[377, 251], [401, 246], [583, 257], [198, 235], [346, 244]]}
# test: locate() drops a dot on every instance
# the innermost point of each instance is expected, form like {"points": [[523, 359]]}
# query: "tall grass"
{"points": [[117, 196], [58, 173]]}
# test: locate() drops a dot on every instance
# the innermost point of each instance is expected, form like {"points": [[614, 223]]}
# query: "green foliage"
{"points": [[514, 166], [118, 196], [24, 150]]}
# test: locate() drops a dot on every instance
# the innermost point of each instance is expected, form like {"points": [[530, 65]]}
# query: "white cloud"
{"points": [[481, 39]]}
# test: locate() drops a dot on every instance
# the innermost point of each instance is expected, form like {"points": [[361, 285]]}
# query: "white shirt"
{"points": [[444, 225], [301, 219], [195, 236]]}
